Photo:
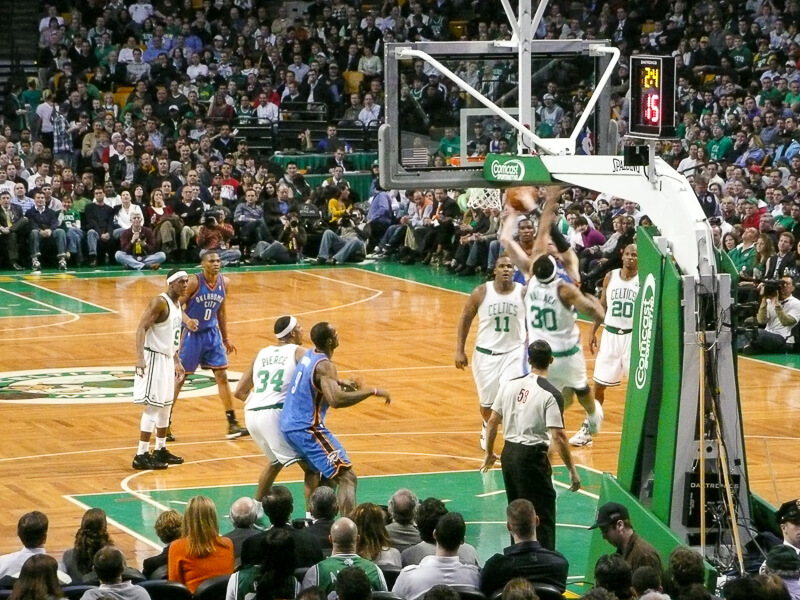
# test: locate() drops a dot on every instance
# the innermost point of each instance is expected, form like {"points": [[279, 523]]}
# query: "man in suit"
{"points": [[323, 507], [12, 221], [338, 160], [244, 513], [784, 259], [278, 505], [44, 227]]}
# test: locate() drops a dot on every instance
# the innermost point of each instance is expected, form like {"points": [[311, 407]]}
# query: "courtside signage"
{"points": [[89, 385], [509, 168], [646, 326]]}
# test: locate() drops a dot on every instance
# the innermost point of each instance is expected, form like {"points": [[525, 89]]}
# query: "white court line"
{"points": [[115, 523], [343, 435], [311, 273], [580, 491], [60, 310], [487, 494], [41, 287]]}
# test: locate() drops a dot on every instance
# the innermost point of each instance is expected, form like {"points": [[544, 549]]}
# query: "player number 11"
{"points": [[498, 324]]}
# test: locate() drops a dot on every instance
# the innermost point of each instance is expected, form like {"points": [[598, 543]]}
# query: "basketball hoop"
{"points": [[483, 198]]}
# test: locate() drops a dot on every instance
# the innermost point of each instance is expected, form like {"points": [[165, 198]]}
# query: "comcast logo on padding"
{"points": [[512, 170]]}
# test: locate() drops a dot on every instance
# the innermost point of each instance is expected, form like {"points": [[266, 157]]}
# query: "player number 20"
{"points": [[543, 318], [264, 381], [622, 309]]}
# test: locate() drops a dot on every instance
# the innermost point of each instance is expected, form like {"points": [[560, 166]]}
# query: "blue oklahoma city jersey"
{"points": [[205, 302], [304, 406]]}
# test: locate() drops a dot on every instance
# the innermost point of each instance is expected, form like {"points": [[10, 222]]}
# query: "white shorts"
{"points": [[157, 386], [265, 429], [568, 371], [613, 358], [489, 371]]}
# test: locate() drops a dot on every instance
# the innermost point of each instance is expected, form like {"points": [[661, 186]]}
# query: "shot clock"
{"points": [[652, 96]]}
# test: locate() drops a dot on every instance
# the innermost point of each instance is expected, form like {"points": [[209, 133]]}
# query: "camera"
{"points": [[772, 287], [294, 223], [345, 221]]}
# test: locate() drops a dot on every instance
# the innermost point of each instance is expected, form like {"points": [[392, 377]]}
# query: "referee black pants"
{"points": [[527, 474]]}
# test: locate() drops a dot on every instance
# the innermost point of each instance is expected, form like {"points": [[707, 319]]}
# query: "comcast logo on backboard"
{"points": [[512, 170]]}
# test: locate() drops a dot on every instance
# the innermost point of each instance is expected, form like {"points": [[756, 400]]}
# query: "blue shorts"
{"points": [[203, 348], [320, 449]]}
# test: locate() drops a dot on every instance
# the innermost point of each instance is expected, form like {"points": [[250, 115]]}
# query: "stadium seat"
{"points": [[543, 590], [75, 592], [467, 592], [212, 589], [121, 95], [166, 590], [458, 29], [390, 574], [385, 596], [160, 573], [7, 594]]}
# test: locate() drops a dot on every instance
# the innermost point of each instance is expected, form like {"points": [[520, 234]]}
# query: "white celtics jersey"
{"points": [[273, 370], [501, 320], [165, 337], [548, 318], [620, 300]]}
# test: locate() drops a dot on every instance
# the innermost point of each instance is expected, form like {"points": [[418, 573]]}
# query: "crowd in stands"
{"points": [[415, 550]]}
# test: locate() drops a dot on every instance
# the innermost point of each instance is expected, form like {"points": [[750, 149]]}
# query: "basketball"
{"points": [[521, 199]]}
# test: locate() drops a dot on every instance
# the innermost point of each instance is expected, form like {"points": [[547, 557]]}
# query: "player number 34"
{"points": [[264, 381]]}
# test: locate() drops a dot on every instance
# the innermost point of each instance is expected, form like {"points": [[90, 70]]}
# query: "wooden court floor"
{"points": [[394, 333]]}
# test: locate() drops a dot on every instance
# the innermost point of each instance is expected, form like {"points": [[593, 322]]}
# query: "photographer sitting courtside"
{"points": [[779, 311], [215, 234]]}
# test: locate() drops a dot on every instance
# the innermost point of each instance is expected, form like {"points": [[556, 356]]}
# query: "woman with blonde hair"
{"points": [[373, 538], [90, 537], [201, 553]]}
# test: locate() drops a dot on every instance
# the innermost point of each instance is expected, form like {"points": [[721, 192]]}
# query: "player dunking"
{"points": [[620, 290], [269, 377], [157, 368], [550, 304], [315, 389], [209, 345], [500, 344]]}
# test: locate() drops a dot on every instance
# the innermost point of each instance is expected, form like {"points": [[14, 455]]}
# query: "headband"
{"points": [[553, 274], [176, 275], [288, 329]]}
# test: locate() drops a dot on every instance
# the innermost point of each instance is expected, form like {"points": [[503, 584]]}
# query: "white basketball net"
{"points": [[482, 198]]}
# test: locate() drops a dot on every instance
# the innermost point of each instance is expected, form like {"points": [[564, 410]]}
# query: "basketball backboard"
{"points": [[484, 105]]}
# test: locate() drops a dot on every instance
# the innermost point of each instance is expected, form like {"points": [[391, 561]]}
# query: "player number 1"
{"points": [[498, 324]]}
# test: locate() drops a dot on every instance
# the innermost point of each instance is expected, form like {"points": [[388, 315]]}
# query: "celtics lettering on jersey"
{"points": [[621, 297], [501, 320]]}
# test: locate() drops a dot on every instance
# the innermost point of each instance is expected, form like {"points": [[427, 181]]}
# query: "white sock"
{"points": [[144, 447], [308, 515], [161, 443]]}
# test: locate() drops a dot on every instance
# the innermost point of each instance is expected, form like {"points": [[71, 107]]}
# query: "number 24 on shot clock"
{"points": [[652, 96]]}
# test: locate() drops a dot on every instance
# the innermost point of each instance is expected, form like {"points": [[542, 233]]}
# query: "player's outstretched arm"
{"points": [[511, 247], [245, 383], [546, 220], [465, 322], [559, 440], [572, 296], [335, 395], [155, 312]]}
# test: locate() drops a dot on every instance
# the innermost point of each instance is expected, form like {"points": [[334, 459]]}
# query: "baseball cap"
{"points": [[783, 558], [704, 38], [756, 169], [173, 107], [791, 63], [789, 511], [610, 513], [752, 201], [548, 97], [218, 37]]}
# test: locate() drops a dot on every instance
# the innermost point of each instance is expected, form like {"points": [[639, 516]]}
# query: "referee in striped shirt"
{"points": [[531, 410]]}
